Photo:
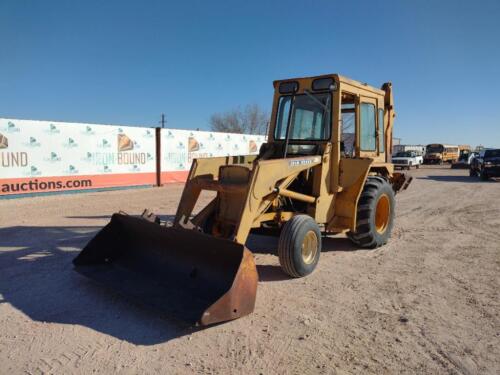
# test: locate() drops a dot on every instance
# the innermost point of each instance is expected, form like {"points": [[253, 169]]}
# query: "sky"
{"points": [[126, 62]]}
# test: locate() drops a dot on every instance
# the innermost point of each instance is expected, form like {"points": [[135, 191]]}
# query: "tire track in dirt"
{"points": [[427, 302], [67, 361]]}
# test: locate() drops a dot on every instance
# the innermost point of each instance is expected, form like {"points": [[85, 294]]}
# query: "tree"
{"points": [[251, 120]]}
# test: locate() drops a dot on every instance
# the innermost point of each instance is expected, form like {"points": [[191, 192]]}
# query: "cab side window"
{"points": [[381, 135], [348, 129], [368, 132]]}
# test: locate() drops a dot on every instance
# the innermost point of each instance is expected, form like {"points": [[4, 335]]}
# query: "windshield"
{"points": [[492, 153], [310, 117], [404, 154], [434, 148]]}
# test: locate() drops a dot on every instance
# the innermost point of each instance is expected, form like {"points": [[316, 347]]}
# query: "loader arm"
{"points": [[240, 201], [268, 178], [203, 170]]}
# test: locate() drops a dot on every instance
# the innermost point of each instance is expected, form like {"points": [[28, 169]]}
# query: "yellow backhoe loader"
{"points": [[325, 169]]}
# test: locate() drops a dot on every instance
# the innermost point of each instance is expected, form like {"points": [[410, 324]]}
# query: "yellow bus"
{"points": [[437, 153], [465, 151]]}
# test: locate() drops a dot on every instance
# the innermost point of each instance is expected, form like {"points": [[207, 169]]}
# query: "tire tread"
{"points": [[286, 243], [364, 236]]}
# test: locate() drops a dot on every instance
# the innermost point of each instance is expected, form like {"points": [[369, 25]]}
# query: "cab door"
{"points": [[367, 131]]}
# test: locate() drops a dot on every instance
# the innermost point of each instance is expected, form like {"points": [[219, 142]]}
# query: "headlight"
{"points": [[487, 163]]}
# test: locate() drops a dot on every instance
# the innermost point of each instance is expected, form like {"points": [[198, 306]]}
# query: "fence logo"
{"points": [[11, 128], [4, 142], [134, 168], [33, 171], [106, 169], [100, 158], [252, 146], [32, 142], [52, 129], [70, 143], [13, 159], [148, 134], [211, 137], [53, 158], [169, 135], [131, 158], [71, 170], [174, 158], [88, 131], [193, 144], [87, 157], [104, 143], [124, 143]]}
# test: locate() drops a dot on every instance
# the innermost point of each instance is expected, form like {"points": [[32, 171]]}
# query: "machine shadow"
{"points": [[260, 244], [462, 179], [37, 278], [167, 218]]}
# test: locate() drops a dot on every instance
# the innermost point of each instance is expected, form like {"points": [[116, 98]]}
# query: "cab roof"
{"points": [[339, 78]]}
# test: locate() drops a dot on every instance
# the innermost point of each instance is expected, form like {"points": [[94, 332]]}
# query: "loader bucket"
{"points": [[187, 274]]}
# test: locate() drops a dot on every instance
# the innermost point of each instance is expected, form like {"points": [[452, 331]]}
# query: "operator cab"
{"points": [[315, 115]]}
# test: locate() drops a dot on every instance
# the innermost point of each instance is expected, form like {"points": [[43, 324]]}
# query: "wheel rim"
{"points": [[382, 213], [309, 247]]}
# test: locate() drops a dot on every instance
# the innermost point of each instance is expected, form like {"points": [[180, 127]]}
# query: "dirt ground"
{"points": [[427, 302]]}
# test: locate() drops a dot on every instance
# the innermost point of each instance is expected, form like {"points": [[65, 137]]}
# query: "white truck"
{"points": [[419, 149], [407, 159]]}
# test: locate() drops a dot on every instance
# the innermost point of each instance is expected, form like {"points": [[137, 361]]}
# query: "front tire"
{"points": [[484, 176], [299, 246], [375, 215]]}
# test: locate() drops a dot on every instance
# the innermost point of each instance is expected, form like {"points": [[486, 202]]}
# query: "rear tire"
{"points": [[484, 176], [375, 216], [299, 246]]}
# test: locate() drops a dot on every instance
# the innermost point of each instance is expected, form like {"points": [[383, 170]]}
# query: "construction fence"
{"points": [[47, 156]]}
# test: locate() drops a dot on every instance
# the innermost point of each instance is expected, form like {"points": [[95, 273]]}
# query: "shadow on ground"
{"points": [[462, 179], [168, 218], [269, 244], [37, 278]]}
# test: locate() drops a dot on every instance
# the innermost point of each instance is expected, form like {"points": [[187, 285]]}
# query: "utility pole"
{"points": [[158, 150]]}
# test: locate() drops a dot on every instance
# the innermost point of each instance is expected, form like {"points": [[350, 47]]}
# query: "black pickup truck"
{"points": [[486, 165]]}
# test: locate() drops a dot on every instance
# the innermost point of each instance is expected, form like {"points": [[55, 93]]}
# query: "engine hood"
{"points": [[493, 160]]}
